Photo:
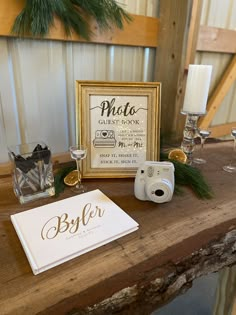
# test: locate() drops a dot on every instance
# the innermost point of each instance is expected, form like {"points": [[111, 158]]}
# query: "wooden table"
{"points": [[176, 242]]}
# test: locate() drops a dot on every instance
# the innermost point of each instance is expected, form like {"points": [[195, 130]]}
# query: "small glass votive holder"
{"points": [[32, 171]]}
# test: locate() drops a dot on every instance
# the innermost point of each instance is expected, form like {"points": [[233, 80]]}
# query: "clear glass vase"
{"points": [[32, 171]]}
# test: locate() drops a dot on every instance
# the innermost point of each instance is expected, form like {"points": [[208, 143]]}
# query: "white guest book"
{"points": [[60, 231]]}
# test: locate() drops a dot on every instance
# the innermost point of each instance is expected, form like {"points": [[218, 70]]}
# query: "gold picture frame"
{"points": [[119, 122]]}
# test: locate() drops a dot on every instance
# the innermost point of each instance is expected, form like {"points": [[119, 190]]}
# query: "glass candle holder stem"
{"points": [[78, 153], [189, 134], [79, 172], [231, 167], [203, 134]]}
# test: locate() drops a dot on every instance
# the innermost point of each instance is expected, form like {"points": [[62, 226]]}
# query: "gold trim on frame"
{"points": [[147, 92]]}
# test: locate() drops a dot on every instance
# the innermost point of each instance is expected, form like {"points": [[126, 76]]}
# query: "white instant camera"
{"points": [[155, 181]]}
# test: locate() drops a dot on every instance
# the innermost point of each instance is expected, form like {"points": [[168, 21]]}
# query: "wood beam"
{"points": [[142, 31], [222, 130], [170, 63], [216, 39], [193, 32], [219, 94]]}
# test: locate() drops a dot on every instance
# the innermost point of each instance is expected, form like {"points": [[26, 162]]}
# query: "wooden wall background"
{"points": [[210, 38], [37, 77], [217, 46]]}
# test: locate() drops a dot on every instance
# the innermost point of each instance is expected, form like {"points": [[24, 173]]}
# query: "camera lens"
{"points": [[159, 192]]}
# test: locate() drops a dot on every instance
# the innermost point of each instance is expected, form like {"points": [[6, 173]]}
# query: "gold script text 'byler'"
{"points": [[61, 224]]}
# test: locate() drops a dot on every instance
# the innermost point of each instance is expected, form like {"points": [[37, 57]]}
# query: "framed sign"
{"points": [[119, 122]]}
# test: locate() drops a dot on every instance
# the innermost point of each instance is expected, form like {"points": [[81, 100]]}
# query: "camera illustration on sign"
{"points": [[104, 139]]}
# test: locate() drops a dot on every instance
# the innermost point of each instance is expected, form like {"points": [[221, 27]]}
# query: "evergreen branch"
{"points": [[187, 175], [72, 19], [38, 16], [105, 12], [59, 179], [35, 18]]}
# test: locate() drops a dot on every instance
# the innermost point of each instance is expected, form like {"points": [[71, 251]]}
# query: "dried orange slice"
{"points": [[71, 179], [177, 155]]}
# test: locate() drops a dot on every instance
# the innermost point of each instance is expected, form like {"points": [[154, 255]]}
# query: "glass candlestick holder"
{"points": [[78, 153], [231, 167], [203, 134], [189, 134]]}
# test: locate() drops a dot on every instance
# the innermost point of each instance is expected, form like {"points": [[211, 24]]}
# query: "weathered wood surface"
{"points": [[176, 242]]}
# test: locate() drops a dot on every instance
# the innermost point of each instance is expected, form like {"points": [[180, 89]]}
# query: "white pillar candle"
{"points": [[197, 89]]}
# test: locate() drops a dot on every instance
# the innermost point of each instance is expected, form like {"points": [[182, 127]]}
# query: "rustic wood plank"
{"points": [[215, 39], [174, 27], [222, 130], [176, 242], [193, 32], [219, 93], [142, 31]]}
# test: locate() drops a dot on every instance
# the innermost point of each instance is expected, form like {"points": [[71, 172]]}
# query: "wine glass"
{"points": [[78, 153], [203, 134], [232, 168]]}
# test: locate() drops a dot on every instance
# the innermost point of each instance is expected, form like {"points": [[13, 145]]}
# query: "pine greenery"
{"points": [[38, 16], [189, 176], [185, 175], [59, 179]]}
